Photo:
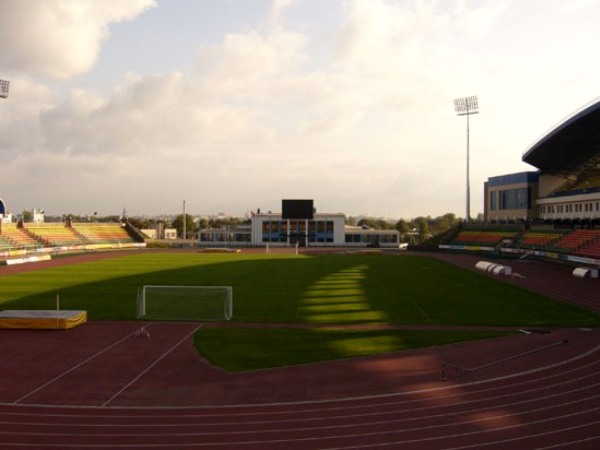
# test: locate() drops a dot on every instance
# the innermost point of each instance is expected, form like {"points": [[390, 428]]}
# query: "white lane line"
{"points": [[152, 365], [85, 361]]}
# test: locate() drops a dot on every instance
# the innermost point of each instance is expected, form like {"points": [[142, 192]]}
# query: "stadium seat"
{"points": [[103, 233], [482, 238], [18, 237]]}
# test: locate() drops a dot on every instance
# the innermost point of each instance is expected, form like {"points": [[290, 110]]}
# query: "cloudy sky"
{"points": [[232, 105]]}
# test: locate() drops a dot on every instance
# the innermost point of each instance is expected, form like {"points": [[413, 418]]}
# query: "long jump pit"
{"points": [[41, 319]]}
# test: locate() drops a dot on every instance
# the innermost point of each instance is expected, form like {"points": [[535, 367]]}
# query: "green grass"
{"points": [[245, 349], [326, 289]]}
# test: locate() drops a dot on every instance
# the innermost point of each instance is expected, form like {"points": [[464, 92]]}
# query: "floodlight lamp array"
{"points": [[4, 88], [466, 105]]}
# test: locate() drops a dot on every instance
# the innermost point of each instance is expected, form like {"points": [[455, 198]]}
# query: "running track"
{"points": [[116, 390]]}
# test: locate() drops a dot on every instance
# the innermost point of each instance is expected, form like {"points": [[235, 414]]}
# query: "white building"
{"points": [[323, 230]]}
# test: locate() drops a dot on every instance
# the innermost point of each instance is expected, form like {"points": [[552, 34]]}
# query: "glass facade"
{"points": [[510, 199], [493, 200], [371, 239], [221, 236], [317, 231]]}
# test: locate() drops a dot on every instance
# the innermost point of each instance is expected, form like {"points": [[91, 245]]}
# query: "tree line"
{"points": [[422, 226]]}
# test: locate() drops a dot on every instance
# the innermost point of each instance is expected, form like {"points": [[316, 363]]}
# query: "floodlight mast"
{"points": [[3, 94], [466, 106], [184, 222], [4, 88]]}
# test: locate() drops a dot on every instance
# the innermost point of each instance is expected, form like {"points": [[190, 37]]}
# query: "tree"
{"points": [[367, 222], [190, 225], [224, 221], [402, 226], [382, 224], [422, 225], [444, 223], [203, 223]]}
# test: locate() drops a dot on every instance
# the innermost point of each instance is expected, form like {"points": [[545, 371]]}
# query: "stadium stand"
{"points": [[23, 238], [591, 246], [54, 235], [575, 239], [19, 238], [539, 239], [103, 233], [483, 238], [588, 180], [592, 250], [567, 243], [5, 245]]}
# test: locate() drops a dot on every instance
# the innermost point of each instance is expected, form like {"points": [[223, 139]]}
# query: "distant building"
{"points": [[38, 216], [323, 230], [236, 235], [510, 198], [150, 233], [170, 233]]}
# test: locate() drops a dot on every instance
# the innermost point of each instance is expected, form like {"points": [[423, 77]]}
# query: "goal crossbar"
{"points": [[195, 303]]}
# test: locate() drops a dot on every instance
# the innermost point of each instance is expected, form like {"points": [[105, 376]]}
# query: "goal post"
{"points": [[193, 303]]}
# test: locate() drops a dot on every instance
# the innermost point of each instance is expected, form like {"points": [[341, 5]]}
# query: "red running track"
{"points": [[554, 405]]}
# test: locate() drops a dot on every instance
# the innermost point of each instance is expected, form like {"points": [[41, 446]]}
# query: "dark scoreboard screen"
{"points": [[297, 209]]}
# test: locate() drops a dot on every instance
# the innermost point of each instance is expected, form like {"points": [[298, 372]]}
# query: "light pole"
{"points": [[466, 106], [3, 94], [184, 222], [4, 88]]}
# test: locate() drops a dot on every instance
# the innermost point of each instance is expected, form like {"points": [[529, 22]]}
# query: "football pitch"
{"points": [[303, 298]]}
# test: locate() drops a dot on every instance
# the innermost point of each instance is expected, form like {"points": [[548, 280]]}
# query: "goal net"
{"points": [[195, 303]]}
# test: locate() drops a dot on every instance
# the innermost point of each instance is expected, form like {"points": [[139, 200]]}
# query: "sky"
{"points": [[230, 106]]}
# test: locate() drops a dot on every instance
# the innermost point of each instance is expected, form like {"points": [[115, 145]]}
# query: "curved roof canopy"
{"points": [[569, 145]]}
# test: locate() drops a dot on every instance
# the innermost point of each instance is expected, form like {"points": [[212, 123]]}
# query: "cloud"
{"points": [[278, 9], [59, 38], [367, 126], [253, 110], [244, 62]]}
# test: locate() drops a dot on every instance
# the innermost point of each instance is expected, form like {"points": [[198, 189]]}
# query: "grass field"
{"points": [[326, 289]]}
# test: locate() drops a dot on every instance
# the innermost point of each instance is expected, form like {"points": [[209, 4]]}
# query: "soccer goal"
{"points": [[195, 303]]}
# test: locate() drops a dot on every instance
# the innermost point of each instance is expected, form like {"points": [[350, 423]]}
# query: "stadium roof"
{"points": [[570, 144]]}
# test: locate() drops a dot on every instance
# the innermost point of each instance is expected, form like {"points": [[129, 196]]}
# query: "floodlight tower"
{"points": [[3, 94], [466, 106], [4, 88], [184, 222]]}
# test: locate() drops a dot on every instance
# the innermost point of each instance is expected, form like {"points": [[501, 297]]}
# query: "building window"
{"points": [[514, 199], [493, 200]]}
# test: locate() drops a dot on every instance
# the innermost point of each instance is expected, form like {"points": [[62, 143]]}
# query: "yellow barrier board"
{"points": [[41, 319]]}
